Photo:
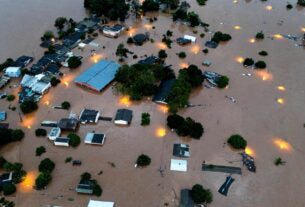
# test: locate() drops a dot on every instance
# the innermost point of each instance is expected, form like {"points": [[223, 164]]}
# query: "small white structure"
{"points": [[13, 72], [62, 141], [93, 203], [95, 138], [54, 133], [39, 83], [82, 45], [188, 37], [178, 165]]}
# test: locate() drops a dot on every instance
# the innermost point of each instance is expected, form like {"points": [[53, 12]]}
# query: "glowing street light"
{"points": [[280, 100], [269, 8], [282, 144], [161, 132], [252, 40], [281, 88], [237, 27], [240, 59]]}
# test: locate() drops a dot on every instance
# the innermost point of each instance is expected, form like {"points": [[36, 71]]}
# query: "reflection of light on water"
{"points": [[148, 26], [249, 151], [282, 144], [29, 181], [252, 40], [125, 100], [47, 103], [163, 108], [183, 65], [131, 31], [161, 45], [28, 121], [280, 100], [237, 27], [239, 59], [161, 132], [96, 58], [67, 79], [235, 1], [195, 49], [269, 8], [278, 36], [303, 29], [281, 88], [264, 75]]}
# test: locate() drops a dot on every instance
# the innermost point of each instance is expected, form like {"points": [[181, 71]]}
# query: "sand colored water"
{"points": [[272, 129]]}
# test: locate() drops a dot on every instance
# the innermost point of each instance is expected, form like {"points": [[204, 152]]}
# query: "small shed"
{"points": [[123, 117], [95, 138], [85, 187], [62, 141], [13, 72], [2, 115], [93, 203], [181, 150], [54, 133], [6, 178], [178, 165], [189, 37], [89, 116]]}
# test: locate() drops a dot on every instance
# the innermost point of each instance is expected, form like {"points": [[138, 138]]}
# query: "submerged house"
{"points": [[93, 203], [4, 80], [62, 141], [151, 60], [123, 117], [181, 150], [13, 72], [68, 124], [22, 61], [113, 31], [95, 138], [54, 133], [99, 75], [163, 91], [6, 178], [89, 116], [85, 187], [39, 84], [140, 39]]}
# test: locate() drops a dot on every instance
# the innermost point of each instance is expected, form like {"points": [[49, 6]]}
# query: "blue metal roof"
{"points": [[99, 75]]}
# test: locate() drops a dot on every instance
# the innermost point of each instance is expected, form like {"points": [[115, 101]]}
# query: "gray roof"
{"points": [[68, 124], [85, 187], [124, 114], [181, 150], [89, 115], [62, 139], [99, 75], [163, 91], [95, 138], [185, 199]]}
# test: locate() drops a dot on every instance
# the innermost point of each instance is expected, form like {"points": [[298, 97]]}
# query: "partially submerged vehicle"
{"points": [[249, 162]]}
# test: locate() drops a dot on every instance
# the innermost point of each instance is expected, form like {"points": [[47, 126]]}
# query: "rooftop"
{"points": [[89, 115], [95, 138], [163, 91]]}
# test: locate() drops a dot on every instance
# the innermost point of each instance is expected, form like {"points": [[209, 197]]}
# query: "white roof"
{"points": [[12, 70], [178, 165], [82, 45], [93, 203], [188, 37]]}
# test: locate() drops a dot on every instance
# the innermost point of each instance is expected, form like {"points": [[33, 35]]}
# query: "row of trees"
{"points": [[10, 135], [140, 80], [258, 65], [188, 78], [45, 167], [191, 17], [185, 127]]}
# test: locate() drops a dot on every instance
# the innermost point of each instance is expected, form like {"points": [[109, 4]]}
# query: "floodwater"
{"points": [[269, 113]]}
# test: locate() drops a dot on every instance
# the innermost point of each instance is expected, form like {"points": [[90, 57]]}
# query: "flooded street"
{"points": [[269, 111]]}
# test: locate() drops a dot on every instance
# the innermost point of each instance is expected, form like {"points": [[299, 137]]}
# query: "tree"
{"points": [[260, 35], [175, 121], [260, 65], [28, 106], [278, 161], [48, 35], [173, 4], [143, 160], [65, 105], [8, 189], [201, 195], [97, 190], [182, 55], [74, 62], [60, 23], [195, 76], [180, 14], [301, 2], [40, 150], [263, 53], [85, 176], [121, 51], [74, 140], [201, 2], [162, 54], [40, 132], [10, 97], [196, 130], [193, 19], [237, 142], [54, 81], [150, 5], [42, 180], [248, 62], [17, 135], [222, 82], [221, 37], [46, 165], [145, 120]]}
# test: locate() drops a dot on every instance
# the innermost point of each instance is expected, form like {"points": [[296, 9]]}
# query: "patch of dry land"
{"points": [[272, 129]]}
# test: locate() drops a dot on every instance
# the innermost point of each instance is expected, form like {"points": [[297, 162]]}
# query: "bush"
{"points": [[201, 2], [193, 19], [46, 165], [162, 54], [48, 35], [40, 150], [68, 159], [205, 51], [143, 160], [129, 40], [40, 132], [65, 105], [10, 97], [278, 161], [17, 135], [74, 140], [74, 62], [260, 35], [248, 62], [8, 189], [263, 53], [237, 142], [85, 176], [145, 120], [28, 106], [201, 195], [182, 55], [97, 190], [43, 180], [221, 37], [150, 5], [289, 6], [222, 82], [175, 121], [260, 65]]}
